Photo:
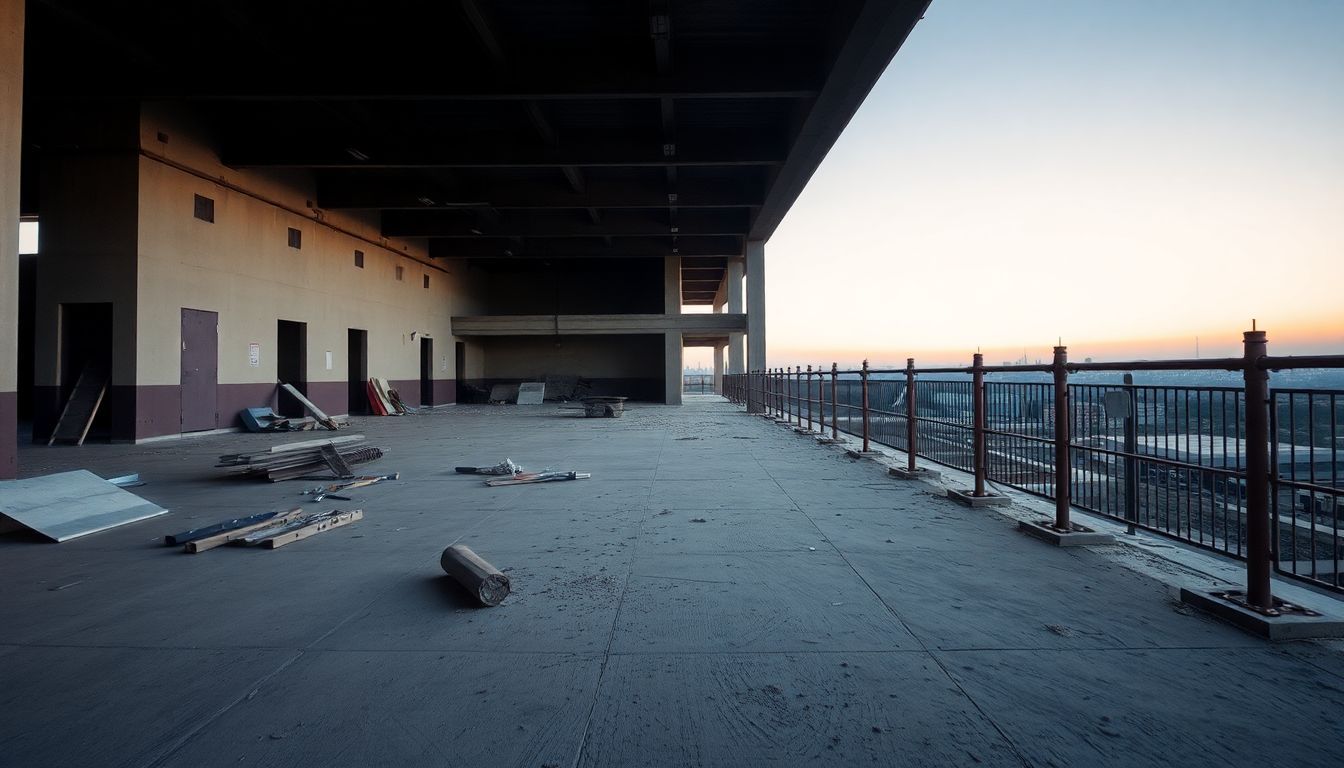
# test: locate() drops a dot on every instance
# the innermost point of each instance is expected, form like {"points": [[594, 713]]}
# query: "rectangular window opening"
{"points": [[295, 238], [205, 209], [400, 273], [426, 281], [359, 259]]}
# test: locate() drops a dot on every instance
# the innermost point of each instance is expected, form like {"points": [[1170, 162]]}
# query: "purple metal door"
{"points": [[200, 370]]}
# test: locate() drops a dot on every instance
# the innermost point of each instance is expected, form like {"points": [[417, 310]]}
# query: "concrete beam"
{"points": [[11, 151], [581, 325], [755, 312], [736, 341]]}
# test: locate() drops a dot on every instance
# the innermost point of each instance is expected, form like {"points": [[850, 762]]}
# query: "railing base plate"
{"points": [[918, 473], [971, 500], [804, 431], [1079, 536], [828, 440], [857, 454], [1292, 622]]}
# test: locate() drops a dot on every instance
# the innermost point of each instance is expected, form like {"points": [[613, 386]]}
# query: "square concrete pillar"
{"points": [[11, 152], [755, 313], [672, 367], [718, 369], [672, 285], [736, 341]]}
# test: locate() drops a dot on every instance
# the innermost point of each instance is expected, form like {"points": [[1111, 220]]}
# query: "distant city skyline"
{"points": [[1129, 176]]}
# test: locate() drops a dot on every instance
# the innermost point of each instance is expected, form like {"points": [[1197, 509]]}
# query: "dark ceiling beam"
{"points": [[878, 31], [725, 152], [628, 223], [339, 193], [632, 247]]}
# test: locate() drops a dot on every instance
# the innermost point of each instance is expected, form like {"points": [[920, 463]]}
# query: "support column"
{"points": [[672, 285], [11, 151], [718, 369], [755, 313], [672, 367], [736, 341]]}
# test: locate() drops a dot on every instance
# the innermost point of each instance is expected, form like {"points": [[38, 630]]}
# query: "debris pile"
{"points": [[384, 400], [289, 461]]}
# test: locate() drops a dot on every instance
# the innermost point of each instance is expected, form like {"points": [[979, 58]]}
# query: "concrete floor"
{"points": [[821, 614]]}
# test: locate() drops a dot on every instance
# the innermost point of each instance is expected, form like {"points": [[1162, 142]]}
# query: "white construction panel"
{"points": [[68, 505], [531, 393]]}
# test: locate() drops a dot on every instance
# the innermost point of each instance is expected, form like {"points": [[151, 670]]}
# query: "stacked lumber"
{"points": [[289, 461], [269, 530]]}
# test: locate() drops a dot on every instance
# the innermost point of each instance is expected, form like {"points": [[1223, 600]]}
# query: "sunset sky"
{"points": [[1126, 175]]}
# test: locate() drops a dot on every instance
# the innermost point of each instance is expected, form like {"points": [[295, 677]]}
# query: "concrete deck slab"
{"points": [[633, 635], [787, 709]]}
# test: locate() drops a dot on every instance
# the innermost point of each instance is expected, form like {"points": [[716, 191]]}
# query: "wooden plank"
{"points": [[220, 539], [321, 417], [82, 406], [538, 477], [320, 526], [314, 443]]}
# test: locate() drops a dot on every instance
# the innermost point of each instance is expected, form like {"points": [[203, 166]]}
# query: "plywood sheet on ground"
{"points": [[68, 505]]}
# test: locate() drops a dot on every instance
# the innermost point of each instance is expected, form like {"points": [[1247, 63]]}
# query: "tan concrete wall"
{"points": [[242, 267], [11, 128]]}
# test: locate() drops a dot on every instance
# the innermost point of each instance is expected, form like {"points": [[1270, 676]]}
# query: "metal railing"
{"points": [[697, 383], [1246, 471]]}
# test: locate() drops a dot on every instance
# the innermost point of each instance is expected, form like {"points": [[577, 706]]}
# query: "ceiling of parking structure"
{"points": [[528, 128]]}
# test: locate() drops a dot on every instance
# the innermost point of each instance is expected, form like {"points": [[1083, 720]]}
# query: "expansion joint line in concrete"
{"points": [[924, 648], [616, 620], [172, 748]]}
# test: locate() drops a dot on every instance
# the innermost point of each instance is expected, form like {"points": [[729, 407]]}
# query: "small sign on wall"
{"points": [[254, 354], [328, 359]]}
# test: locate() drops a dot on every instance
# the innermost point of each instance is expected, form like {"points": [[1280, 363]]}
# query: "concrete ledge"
{"points": [[1077, 536], [804, 431], [855, 453], [919, 473], [1285, 622], [823, 440], [971, 500]]}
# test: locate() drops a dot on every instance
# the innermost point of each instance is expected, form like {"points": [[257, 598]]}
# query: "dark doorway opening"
{"points": [[426, 371], [200, 370], [459, 370], [86, 344], [291, 364], [358, 355]]}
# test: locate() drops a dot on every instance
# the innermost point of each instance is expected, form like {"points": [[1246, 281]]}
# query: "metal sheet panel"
{"points": [[68, 505]]}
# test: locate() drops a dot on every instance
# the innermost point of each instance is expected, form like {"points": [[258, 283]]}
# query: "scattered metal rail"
{"points": [[1251, 472]]}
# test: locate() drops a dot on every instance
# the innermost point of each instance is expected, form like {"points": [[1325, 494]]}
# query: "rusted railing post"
{"points": [[911, 429], [809, 398], [798, 395], [835, 413], [978, 425], [779, 393], [1063, 467], [821, 400], [863, 375], [1259, 552]]}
